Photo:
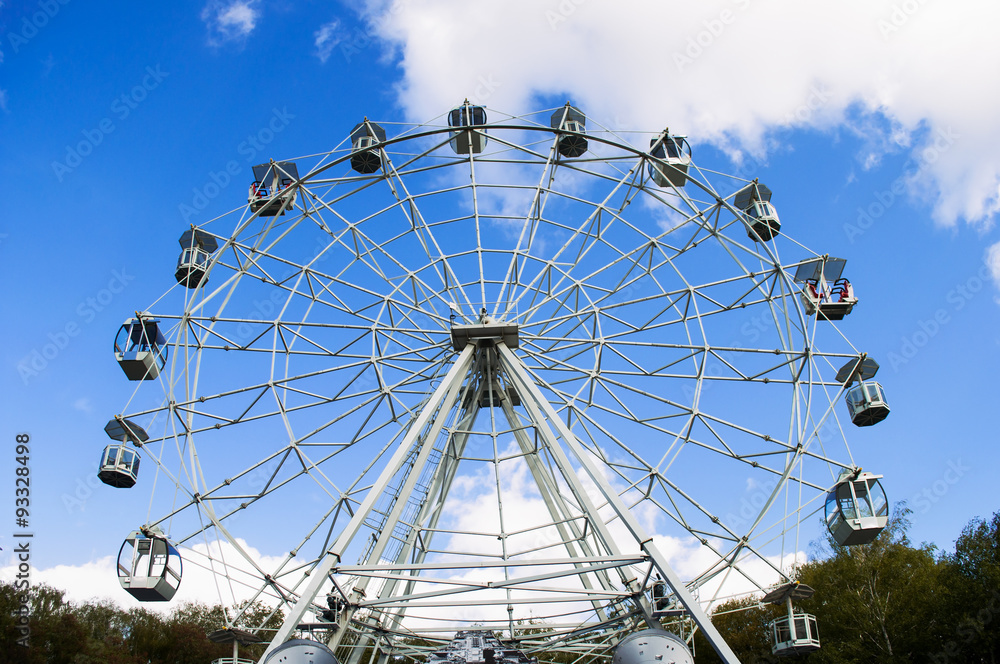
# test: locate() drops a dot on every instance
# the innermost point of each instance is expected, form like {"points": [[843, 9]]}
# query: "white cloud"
{"points": [[993, 262], [230, 21], [97, 579], [3, 101], [327, 38], [474, 509], [732, 72]]}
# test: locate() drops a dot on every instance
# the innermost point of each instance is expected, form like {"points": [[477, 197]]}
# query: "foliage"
{"points": [[973, 579], [102, 632], [887, 601], [877, 602], [743, 623]]}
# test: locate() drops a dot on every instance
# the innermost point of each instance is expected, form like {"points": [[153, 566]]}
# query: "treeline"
{"points": [[887, 602], [61, 632]]}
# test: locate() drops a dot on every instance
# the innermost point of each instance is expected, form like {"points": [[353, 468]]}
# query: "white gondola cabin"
{"points": [[149, 567], [572, 121], [471, 140], [866, 402], [671, 160], [119, 465], [795, 632], [762, 219], [366, 157], [272, 191], [825, 293], [196, 250], [856, 508], [140, 348]]}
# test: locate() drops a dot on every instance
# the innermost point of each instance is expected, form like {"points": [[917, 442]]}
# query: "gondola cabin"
{"points": [[825, 294], [866, 404], [866, 401], [119, 467], [140, 348], [671, 160], [366, 157], [197, 248], [856, 509], [149, 567], [572, 126], [471, 140], [761, 217], [795, 632], [272, 193]]}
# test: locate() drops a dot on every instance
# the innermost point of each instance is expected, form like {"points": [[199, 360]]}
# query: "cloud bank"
{"points": [[731, 72]]}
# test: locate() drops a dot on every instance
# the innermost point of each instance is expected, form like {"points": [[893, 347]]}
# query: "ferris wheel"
{"points": [[520, 372]]}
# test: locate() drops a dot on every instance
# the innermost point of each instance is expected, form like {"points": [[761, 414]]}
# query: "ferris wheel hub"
{"points": [[485, 334]]}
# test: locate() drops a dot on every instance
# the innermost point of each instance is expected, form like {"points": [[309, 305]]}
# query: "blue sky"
{"points": [[872, 127]]}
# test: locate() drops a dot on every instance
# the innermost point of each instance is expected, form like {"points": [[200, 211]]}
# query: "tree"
{"points": [[973, 577], [55, 632], [744, 624], [877, 602]]}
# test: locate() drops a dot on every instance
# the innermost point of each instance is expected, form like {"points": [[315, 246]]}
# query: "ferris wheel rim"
{"points": [[419, 305]]}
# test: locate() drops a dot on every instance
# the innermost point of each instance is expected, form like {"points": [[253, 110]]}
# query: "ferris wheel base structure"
{"points": [[485, 361]]}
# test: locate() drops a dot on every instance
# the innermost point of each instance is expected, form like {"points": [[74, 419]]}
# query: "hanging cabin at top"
{"points": [[826, 294], [272, 191]]}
